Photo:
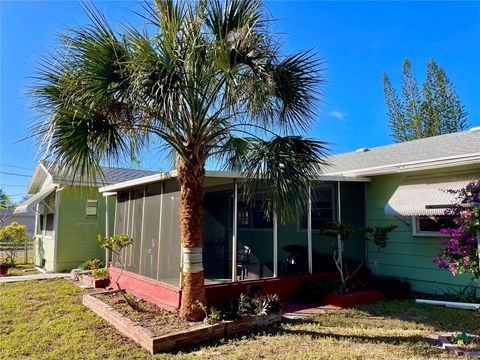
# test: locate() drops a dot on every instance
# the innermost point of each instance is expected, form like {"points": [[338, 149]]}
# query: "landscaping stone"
{"points": [[85, 277], [192, 336], [444, 342]]}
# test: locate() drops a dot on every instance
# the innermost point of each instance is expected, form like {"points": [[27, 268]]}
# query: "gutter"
{"points": [[438, 163], [212, 174]]}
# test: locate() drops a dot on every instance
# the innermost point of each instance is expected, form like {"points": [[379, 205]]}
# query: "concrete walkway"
{"points": [[8, 279]]}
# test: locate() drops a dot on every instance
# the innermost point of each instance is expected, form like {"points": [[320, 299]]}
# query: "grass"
{"points": [[19, 270], [45, 320]]}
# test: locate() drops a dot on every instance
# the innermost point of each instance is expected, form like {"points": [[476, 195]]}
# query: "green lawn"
{"points": [[22, 269], [45, 320]]}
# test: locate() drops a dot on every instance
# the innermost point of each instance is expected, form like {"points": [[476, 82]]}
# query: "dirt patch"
{"points": [[157, 320]]}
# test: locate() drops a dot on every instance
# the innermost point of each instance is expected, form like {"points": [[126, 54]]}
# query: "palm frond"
{"points": [[287, 165]]}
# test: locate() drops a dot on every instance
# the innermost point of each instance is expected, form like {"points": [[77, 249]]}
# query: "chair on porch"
{"points": [[243, 260]]}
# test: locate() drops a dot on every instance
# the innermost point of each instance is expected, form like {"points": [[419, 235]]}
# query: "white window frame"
{"points": [[417, 232]]}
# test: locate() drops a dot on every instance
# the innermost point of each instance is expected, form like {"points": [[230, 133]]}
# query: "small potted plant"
{"points": [[5, 264], [100, 276]]}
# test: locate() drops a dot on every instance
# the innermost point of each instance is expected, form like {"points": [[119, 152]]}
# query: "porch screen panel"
{"points": [[255, 239], [135, 230], [217, 236], [324, 208], [121, 218], [151, 223], [292, 249], [169, 261]]}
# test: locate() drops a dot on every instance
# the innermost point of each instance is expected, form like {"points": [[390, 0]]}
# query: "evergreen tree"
{"points": [[438, 110]]}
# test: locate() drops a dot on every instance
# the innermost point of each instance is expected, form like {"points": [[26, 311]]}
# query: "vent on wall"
{"points": [[362, 150]]}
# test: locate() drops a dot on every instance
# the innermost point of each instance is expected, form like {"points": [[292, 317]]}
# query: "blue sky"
{"points": [[358, 40]]}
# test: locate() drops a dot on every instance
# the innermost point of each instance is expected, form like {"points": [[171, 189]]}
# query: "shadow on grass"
{"points": [[439, 318]]}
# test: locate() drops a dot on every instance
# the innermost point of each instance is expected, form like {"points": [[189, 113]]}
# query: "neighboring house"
{"points": [[371, 187], [69, 214], [7, 216]]}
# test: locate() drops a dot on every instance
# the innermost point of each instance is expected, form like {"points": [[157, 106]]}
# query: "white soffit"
{"points": [[415, 193]]}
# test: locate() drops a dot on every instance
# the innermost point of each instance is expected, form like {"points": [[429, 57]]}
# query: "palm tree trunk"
{"points": [[192, 187]]}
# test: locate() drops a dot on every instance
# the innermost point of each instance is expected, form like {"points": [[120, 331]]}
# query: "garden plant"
{"points": [[461, 250]]}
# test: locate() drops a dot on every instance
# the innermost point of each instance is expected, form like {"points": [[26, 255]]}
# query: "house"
{"points": [[7, 216], [405, 178], [69, 214], [372, 187]]}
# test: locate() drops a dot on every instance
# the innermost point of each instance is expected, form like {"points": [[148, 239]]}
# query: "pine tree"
{"points": [[438, 110], [398, 121], [444, 112], [413, 101]]}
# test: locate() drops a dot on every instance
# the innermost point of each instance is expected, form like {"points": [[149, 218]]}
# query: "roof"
{"points": [[58, 174], [454, 149], [209, 174]]}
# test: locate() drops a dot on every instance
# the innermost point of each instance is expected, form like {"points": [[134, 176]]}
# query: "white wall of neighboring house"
{"points": [[27, 219]]}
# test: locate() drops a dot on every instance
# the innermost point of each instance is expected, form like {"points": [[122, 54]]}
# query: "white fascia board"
{"points": [[112, 189], [137, 182], [429, 164], [41, 177]]}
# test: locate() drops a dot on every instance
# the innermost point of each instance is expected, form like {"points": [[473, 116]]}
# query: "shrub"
{"points": [[267, 304], [101, 273], [459, 254], [91, 264], [244, 305], [313, 291], [13, 236], [392, 287]]}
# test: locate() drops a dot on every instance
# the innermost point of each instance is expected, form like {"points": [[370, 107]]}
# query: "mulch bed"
{"points": [[157, 320]]}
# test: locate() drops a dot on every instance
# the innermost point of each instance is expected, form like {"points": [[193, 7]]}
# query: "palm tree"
{"points": [[207, 80]]}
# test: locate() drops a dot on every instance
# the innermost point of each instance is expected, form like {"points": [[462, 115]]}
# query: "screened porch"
{"points": [[240, 243]]}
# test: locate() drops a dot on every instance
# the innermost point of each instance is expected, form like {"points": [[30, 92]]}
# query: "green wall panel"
{"points": [[77, 233], [405, 256]]}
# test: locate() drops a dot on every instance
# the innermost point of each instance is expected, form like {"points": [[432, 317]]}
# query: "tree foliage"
{"points": [[4, 200], [12, 237], [205, 79], [436, 110]]}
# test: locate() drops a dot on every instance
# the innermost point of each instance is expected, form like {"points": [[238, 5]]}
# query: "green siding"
{"points": [[406, 256], [77, 233]]}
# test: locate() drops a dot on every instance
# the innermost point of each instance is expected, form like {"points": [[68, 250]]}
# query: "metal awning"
{"points": [[414, 194], [30, 204]]}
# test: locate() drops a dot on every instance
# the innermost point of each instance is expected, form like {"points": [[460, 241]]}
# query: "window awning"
{"points": [[415, 193], [30, 204]]}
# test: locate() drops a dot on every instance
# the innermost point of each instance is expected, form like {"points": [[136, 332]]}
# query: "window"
{"points": [[46, 216], [91, 209], [322, 208], [251, 215], [430, 225]]}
